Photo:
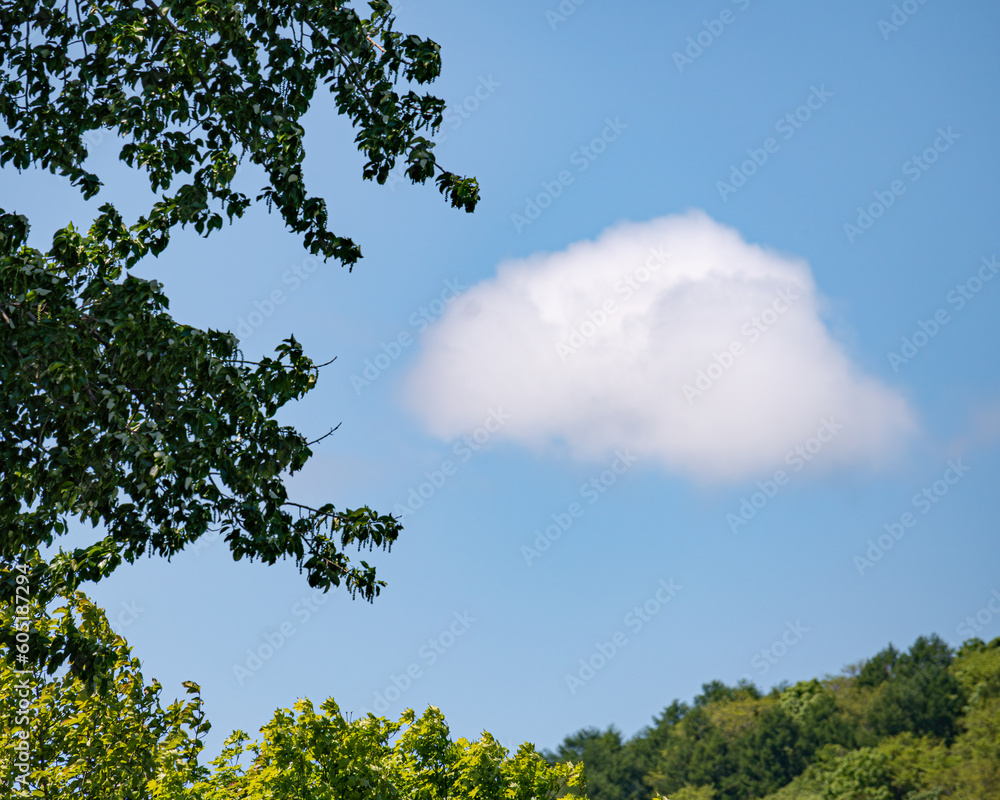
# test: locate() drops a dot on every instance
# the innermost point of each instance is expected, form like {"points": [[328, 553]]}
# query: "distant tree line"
{"points": [[916, 725]]}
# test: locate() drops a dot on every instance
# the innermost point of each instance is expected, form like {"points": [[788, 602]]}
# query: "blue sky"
{"points": [[832, 150]]}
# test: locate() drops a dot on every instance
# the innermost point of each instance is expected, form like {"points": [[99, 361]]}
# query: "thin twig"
{"points": [[321, 438]]}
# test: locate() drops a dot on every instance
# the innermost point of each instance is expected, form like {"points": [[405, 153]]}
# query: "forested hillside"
{"points": [[916, 725]]}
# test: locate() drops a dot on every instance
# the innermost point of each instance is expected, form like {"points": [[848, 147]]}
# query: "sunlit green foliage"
{"points": [[125, 744], [60, 740], [917, 725]]}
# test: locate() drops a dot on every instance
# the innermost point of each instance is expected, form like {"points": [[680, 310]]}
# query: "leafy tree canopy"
{"points": [[59, 741], [113, 413], [194, 86], [879, 668], [923, 724]]}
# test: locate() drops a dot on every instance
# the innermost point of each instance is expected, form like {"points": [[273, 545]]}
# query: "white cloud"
{"points": [[600, 347]]}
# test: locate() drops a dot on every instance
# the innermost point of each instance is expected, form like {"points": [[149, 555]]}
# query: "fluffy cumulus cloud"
{"points": [[673, 338]]}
